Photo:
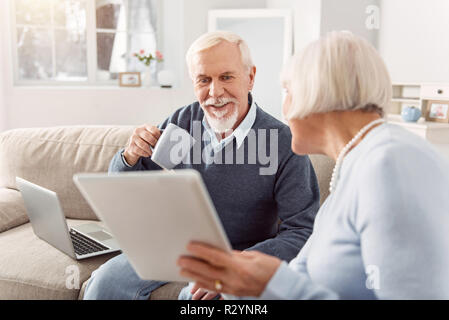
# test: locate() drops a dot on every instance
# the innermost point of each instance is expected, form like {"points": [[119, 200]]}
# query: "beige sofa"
{"points": [[29, 267]]}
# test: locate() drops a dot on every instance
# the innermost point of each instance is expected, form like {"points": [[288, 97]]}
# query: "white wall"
{"points": [[348, 15], [306, 19], [313, 18], [414, 39], [195, 16], [50, 106]]}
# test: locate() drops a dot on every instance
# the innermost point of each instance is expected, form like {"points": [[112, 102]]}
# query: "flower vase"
{"points": [[147, 77]]}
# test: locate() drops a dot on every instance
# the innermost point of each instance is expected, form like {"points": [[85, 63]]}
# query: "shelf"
{"points": [[408, 84], [435, 132], [406, 100], [417, 95], [420, 123]]}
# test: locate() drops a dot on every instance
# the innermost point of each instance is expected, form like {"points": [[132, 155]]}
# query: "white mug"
{"points": [[172, 147]]}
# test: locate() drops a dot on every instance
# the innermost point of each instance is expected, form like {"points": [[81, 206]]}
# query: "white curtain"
{"points": [[141, 18]]}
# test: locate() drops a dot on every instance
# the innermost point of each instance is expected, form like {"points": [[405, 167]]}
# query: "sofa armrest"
{"points": [[12, 209]]}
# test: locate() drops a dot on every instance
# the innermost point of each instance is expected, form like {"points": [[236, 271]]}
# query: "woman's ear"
{"points": [[252, 75]]}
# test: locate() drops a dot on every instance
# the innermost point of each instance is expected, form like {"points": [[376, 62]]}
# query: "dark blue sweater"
{"points": [[250, 204]]}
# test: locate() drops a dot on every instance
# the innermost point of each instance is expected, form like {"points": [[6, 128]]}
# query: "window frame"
{"points": [[91, 47]]}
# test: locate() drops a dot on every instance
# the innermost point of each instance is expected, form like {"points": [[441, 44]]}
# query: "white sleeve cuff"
{"points": [[124, 160], [277, 288], [281, 283]]}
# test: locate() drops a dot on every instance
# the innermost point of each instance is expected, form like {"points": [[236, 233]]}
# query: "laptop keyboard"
{"points": [[84, 245]]}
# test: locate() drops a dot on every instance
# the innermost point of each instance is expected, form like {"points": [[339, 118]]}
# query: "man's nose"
{"points": [[216, 89]]}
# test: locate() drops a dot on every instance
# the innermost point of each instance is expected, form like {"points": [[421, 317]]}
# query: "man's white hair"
{"points": [[339, 72], [213, 38]]}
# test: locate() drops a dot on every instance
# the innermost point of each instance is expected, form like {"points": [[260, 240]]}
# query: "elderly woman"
{"points": [[383, 232]]}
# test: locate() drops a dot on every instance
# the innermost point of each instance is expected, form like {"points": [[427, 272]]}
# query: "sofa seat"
{"points": [[30, 268]]}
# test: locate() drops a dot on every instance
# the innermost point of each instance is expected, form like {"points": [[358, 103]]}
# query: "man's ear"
{"points": [[252, 76]]}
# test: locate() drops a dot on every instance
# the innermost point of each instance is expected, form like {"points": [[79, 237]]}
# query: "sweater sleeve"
{"points": [[297, 198], [288, 284], [181, 117], [118, 164]]}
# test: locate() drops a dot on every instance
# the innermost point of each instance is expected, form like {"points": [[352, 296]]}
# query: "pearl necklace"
{"points": [[341, 155]]}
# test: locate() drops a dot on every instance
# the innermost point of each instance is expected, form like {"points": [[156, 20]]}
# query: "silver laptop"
{"points": [[49, 224]]}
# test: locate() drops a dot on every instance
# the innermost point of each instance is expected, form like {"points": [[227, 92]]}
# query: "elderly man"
{"points": [[236, 136]]}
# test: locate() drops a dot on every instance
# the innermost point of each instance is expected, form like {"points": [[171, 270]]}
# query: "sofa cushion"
{"points": [[323, 166], [30, 268], [12, 209], [51, 156]]}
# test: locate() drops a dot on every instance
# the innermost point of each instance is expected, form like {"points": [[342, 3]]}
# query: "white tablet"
{"points": [[154, 215]]}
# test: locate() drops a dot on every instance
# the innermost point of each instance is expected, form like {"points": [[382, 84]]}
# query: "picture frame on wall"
{"points": [[437, 111], [130, 79]]}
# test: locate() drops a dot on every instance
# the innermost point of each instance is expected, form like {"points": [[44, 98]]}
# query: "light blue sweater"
{"points": [[383, 233]]}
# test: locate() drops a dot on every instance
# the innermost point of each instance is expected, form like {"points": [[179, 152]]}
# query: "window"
{"points": [[51, 40], [123, 27], [81, 41]]}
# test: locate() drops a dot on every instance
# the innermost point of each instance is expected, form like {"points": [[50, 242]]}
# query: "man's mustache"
{"points": [[218, 103]]}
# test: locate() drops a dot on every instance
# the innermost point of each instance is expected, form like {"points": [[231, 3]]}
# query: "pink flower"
{"points": [[142, 51], [159, 55]]}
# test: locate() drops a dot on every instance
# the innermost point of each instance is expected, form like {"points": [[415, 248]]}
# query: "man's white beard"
{"points": [[222, 124], [216, 117]]}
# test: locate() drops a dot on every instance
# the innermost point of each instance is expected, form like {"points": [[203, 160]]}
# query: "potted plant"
{"points": [[146, 59]]}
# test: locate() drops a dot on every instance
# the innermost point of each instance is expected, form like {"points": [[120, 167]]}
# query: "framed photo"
{"points": [[437, 111], [129, 79]]}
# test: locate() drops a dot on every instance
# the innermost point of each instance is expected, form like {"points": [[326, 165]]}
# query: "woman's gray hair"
{"points": [[213, 38], [339, 72]]}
